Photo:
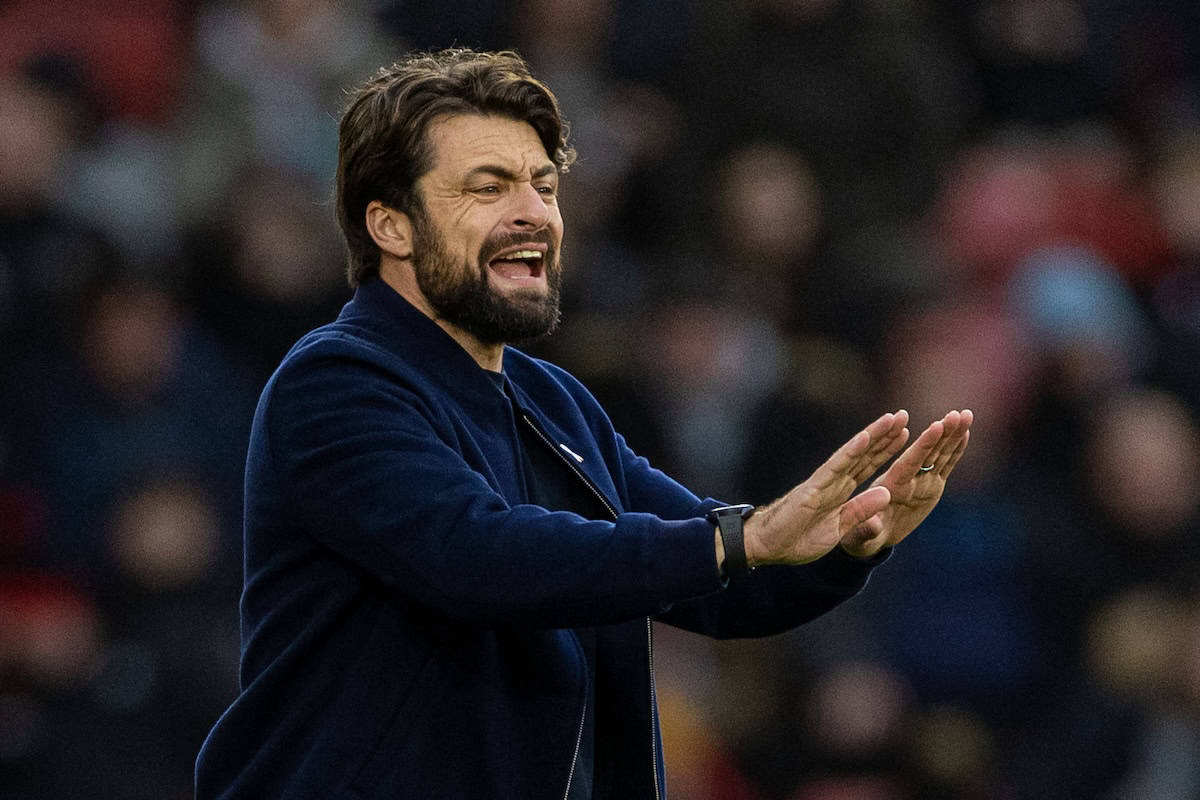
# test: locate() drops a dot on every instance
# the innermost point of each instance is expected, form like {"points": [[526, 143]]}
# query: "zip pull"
{"points": [[571, 453], [612, 512]]}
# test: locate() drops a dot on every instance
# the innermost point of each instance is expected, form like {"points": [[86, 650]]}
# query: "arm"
{"points": [[817, 544], [373, 479], [774, 599]]}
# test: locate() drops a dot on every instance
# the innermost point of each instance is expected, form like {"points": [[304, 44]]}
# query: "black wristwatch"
{"points": [[729, 521]]}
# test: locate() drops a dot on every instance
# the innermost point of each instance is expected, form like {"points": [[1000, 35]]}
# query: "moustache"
{"points": [[497, 244]]}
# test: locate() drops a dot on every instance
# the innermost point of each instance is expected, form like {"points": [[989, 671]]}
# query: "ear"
{"points": [[390, 229]]}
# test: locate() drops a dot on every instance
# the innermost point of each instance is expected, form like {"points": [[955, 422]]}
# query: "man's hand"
{"points": [[817, 515], [912, 489]]}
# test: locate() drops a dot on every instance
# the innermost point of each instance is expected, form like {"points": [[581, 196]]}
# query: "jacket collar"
{"points": [[395, 324], [401, 328]]}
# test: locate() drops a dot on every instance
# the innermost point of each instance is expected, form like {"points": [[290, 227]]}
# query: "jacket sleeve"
{"points": [[769, 600], [774, 599], [369, 478]]}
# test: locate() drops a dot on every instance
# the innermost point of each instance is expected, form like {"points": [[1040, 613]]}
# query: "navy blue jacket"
{"points": [[406, 615]]}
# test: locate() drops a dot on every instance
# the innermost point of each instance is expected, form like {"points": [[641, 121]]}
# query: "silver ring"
{"points": [[926, 468]]}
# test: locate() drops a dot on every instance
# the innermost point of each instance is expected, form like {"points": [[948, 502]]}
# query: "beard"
{"points": [[461, 293]]}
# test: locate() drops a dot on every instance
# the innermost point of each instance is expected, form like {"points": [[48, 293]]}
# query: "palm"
{"points": [[829, 522], [914, 491], [912, 500]]}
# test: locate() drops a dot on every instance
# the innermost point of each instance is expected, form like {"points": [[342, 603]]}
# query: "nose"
{"points": [[529, 209]]}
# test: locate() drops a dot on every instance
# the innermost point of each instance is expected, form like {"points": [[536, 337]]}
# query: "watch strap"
{"points": [[730, 522]]}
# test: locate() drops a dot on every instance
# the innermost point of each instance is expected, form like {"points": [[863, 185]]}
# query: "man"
{"points": [[452, 560]]}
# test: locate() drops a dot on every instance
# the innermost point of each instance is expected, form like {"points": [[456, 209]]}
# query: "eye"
{"points": [[491, 188], [546, 190]]}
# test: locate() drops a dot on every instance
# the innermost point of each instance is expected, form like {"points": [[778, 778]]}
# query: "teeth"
{"points": [[521, 254]]}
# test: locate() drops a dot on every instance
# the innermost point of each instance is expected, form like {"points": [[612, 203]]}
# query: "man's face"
{"points": [[487, 239]]}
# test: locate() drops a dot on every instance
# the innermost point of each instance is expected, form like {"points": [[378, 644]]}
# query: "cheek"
{"points": [[464, 231], [466, 245]]}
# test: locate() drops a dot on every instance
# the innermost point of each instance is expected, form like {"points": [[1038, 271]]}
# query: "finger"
{"points": [[862, 507], [953, 460], [952, 426], [887, 424], [955, 423], [888, 434], [847, 459], [918, 453], [937, 457], [838, 468], [878, 458]]}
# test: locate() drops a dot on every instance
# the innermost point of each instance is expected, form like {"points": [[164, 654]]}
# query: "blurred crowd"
{"points": [[787, 217]]}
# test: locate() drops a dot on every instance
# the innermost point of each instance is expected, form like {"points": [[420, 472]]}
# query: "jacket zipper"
{"points": [[653, 705], [583, 714], [575, 757], [649, 625]]}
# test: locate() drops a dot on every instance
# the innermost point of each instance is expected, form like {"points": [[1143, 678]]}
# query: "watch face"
{"points": [[742, 510]]}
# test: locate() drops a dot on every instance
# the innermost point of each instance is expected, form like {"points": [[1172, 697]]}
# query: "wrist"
{"points": [[750, 529]]}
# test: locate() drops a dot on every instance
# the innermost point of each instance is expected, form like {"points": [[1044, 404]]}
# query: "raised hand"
{"points": [[914, 482], [816, 515]]}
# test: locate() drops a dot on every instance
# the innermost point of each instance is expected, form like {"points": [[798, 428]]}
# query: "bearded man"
{"points": [[452, 559]]}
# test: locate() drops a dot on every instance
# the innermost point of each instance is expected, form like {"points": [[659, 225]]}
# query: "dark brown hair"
{"points": [[383, 147]]}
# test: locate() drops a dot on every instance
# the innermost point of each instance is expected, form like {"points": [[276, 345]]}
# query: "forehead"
{"points": [[461, 142]]}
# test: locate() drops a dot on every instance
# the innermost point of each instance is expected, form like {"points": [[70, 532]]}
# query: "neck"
{"points": [[487, 356]]}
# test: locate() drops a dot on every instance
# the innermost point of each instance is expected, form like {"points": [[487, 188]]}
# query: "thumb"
{"points": [[864, 532], [862, 507]]}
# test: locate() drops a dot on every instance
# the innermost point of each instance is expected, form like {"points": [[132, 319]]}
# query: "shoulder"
{"points": [[345, 350], [342, 339], [341, 367]]}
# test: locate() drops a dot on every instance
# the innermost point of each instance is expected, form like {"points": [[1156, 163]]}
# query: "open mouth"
{"points": [[522, 263]]}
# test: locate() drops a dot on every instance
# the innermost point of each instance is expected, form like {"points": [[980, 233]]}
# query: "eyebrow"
{"points": [[509, 175]]}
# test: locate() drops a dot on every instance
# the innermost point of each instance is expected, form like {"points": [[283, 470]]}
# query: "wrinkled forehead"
{"points": [[460, 143]]}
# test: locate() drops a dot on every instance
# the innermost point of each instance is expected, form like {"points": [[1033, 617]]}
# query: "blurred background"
{"points": [[787, 217]]}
